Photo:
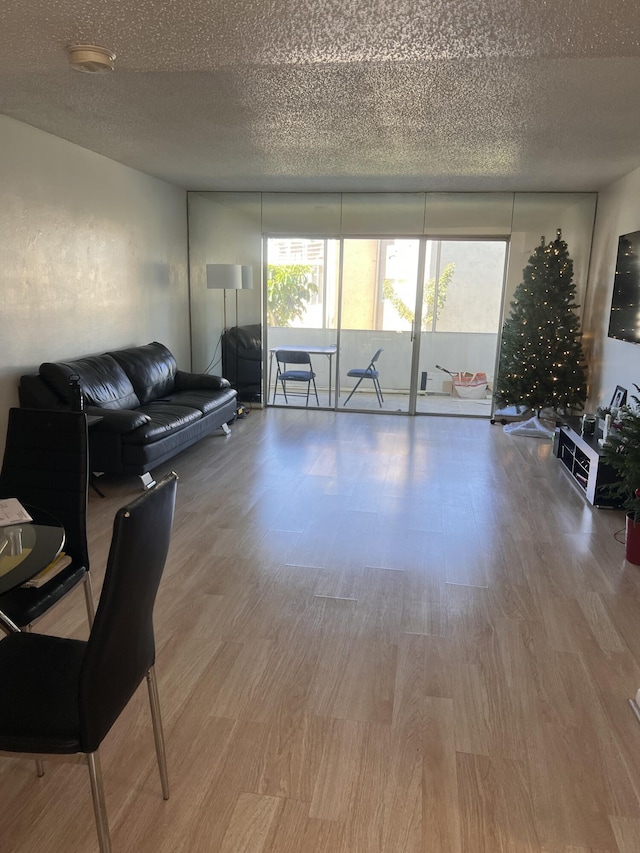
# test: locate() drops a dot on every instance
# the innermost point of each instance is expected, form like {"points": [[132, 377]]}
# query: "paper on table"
{"points": [[61, 562], [12, 512]]}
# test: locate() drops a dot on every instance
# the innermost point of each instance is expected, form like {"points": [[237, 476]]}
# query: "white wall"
{"points": [[93, 256], [537, 215], [612, 362]]}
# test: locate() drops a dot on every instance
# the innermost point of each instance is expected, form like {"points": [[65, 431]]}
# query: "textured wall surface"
{"points": [[346, 95], [612, 362], [93, 256]]}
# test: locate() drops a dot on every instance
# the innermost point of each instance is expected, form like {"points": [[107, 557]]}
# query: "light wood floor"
{"points": [[375, 634]]}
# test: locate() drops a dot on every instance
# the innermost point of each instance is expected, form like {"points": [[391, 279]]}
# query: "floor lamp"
{"points": [[247, 284], [225, 277], [230, 277]]}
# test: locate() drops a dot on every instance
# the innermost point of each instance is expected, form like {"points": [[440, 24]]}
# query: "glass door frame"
{"points": [[457, 238], [416, 326], [267, 353]]}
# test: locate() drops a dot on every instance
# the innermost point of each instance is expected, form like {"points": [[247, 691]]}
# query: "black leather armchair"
{"points": [[46, 466], [242, 360], [62, 696]]}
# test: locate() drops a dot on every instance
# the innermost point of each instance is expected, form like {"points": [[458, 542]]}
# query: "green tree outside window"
{"points": [[429, 300], [289, 289]]}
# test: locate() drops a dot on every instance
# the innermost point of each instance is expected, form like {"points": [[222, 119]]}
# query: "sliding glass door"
{"points": [[377, 314], [460, 329], [428, 309], [302, 313]]}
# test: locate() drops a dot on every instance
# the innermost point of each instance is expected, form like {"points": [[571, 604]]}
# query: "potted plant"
{"points": [[621, 451]]}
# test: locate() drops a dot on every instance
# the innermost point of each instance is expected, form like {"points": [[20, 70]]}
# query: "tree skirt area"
{"points": [[535, 427]]}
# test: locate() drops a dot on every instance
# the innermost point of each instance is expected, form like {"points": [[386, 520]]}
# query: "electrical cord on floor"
{"points": [[619, 533], [216, 359]]}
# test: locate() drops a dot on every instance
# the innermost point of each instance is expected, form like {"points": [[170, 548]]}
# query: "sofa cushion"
{"points": [[104, 383], [205, 401], [151, 369], [164, 419]]}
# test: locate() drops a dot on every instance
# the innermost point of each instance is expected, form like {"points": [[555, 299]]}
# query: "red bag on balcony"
{"points": [[471, 386]]}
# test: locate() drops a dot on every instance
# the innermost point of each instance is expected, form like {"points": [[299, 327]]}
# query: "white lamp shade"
{"points": [[247, 277], [224, 276]]}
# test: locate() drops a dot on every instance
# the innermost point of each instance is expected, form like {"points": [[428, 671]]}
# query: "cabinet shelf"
{"points": [[581, 458]]}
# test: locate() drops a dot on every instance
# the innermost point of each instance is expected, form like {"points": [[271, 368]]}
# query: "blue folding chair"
{"points": [[284, 374], [369, 372]]}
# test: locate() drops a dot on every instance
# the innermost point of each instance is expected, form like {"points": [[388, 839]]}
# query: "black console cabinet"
{"points": [[581, 456]]}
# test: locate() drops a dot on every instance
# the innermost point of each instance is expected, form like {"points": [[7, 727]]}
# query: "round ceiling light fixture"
{"points": [[90, 58]]}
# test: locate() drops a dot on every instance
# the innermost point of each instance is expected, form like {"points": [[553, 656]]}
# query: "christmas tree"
{"points": [[621, 451], [541, 358]]}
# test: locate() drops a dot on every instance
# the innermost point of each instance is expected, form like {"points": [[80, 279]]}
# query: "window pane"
{"points": [[302, 282], [469, 285]]}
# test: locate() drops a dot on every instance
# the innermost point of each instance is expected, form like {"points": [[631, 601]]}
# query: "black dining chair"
{"points": [[369, 372], [46, 466], [62, 696], [297, 374]]}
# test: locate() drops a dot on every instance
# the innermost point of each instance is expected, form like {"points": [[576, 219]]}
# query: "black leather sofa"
{"points": [[149, 409]]}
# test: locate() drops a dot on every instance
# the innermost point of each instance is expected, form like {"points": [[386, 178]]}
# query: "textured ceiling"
{"points": [[338, 95]]}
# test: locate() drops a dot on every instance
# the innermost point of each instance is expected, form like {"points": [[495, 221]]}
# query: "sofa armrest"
{"points": [[118, 420], [199, 382]]}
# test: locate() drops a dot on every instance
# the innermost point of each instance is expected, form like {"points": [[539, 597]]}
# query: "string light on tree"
{"points": [[541, 357]]}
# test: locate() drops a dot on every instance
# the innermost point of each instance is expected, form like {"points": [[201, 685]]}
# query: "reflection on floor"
{"points": [[440, 404], [428, 404], [374, 635]]}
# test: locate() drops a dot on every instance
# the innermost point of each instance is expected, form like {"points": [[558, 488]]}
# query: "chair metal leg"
{"points": [[99, 808], [158, 735], [8, 625], [353, 390], [376, 385], [315, 392], [88, 598], [39, 761], [275, 386]]}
